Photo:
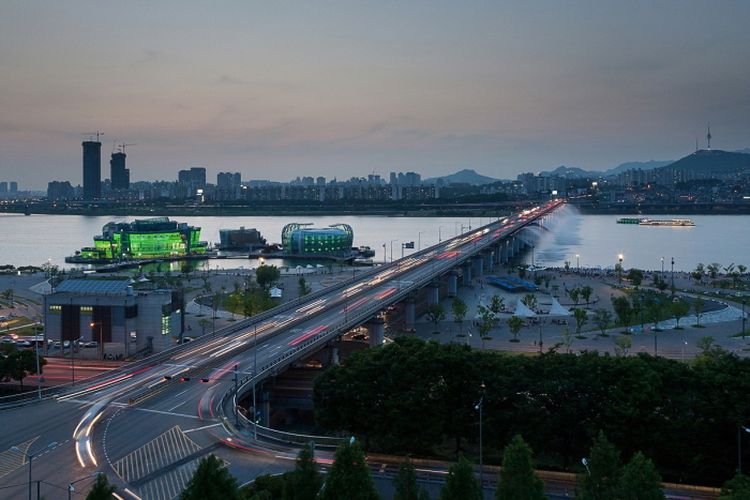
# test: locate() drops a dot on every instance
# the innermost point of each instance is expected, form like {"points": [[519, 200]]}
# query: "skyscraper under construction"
{"points": [[92, 169]]}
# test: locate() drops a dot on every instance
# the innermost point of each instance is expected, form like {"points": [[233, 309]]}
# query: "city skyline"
{"points": [[291, 90]]}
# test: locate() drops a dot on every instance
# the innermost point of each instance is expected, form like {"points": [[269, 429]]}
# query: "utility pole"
{"points": [[255, 375], [236, 412]]}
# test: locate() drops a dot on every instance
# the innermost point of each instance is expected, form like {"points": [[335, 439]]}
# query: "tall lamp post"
{"points": [[672, 277], [101, 343], [578, 263], [419, 240], [392, 249], [71, 488], [744, 301], [740, 429], [32, 456], [619, 271], [480, 406]]}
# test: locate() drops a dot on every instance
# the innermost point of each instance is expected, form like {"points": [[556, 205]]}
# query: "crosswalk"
{"points": [[11, 459], [161, 468]]}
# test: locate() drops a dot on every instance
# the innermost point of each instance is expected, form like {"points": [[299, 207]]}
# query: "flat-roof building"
{"points": [[123, 320]]}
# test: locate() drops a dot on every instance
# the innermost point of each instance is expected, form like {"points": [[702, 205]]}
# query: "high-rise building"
{"points": [[60, 190], [92, 170], [198, 176], [13, 187], [3, 187], [118, 173]]}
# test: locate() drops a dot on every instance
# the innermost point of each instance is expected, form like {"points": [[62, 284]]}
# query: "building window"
{"points": [[165, 325], [86, 309], [55, 309]]}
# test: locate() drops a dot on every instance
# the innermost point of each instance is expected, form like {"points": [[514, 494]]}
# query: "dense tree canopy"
{"points": [[417, 397]]}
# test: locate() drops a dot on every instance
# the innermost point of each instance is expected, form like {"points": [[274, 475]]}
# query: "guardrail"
{"points": [[292, 355]]}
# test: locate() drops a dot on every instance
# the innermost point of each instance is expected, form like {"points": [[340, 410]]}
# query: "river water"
{"points": [[597, 239]]}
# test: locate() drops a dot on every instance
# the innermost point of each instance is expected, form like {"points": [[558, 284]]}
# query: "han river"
{"points": [[596, 239]]}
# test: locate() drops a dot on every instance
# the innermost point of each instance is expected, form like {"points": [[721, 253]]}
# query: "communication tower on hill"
{"points": [[708, 136]]}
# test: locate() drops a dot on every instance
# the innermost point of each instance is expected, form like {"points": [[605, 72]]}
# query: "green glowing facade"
{"points": [[298, 239], [153, 238]]}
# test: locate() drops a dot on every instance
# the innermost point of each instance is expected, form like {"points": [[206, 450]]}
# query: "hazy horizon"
{"points": [[279, 90]]}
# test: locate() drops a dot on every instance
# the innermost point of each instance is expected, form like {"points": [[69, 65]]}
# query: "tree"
{"points": [[700, 270], [698, 305], [461, 483], [18, 364], [497, 304], [680, 309], [529, 300], [622, 308], [713, 269], [302, 287], [517, 479], [486, 322], [574, 294], [203, 322], [635, 276], [304, 481], [602, 319], [101, 489], [656, 305], [581, 317], [514, 325], [267, 275], [586, 292], [405, 483], [459, 309], [349, 476], [211, 481], [602, 477], [623, 343], [567, 338], [737, 488], [435, 314], [640, 480]]}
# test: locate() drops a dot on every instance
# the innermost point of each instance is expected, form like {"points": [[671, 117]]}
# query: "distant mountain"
{"points": [[466, 176], [713, 161], [643, 165], [569, 173], [743, 151]]}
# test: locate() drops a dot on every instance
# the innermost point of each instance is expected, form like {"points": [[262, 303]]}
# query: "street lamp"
{"points": [[619, 271], [72, 490], [740, 428], [744, 301], [578, 263], [419, 240], [32, 456], [440, 234], [392, 249], [101, 343], [480, 406], [672, 277]]}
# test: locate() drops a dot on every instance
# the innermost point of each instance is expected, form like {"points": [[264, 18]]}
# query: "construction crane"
{"points": [[123, 145]]}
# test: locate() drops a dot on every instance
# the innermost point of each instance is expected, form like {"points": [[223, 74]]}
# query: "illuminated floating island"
{"points": [[157, 238]]}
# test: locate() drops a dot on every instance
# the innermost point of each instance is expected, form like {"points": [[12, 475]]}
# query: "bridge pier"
{"points": [[452, 284], [466, 274], [433, 293], [334, 361], [478, 266], [265, 408], [376, 331], [488, 263], [410, 313]]}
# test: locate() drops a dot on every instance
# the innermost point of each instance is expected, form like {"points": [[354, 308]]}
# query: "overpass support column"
{"points": [[433, 293], [466, 275], [498, 254], [265, 408], [335, 355], [410, 313], [376, 331], [478, 265], [452, 284], [488, 263]]}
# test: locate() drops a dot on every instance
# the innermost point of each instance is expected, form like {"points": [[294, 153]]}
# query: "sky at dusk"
{"points": [[280, 89]]}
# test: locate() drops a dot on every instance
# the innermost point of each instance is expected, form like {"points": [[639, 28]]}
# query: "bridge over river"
{"points": [[148, 423]]}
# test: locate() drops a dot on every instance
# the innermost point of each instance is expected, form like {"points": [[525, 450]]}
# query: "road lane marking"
{"points": [[11, 460], [201, 428]]}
